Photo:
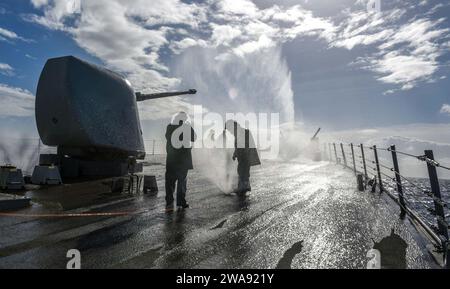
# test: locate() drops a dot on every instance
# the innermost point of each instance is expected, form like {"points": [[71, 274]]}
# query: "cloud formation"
{"points": [[10, 36], [136, 38], [6, 69], [405, 48], [7, 35], [15, 101]]}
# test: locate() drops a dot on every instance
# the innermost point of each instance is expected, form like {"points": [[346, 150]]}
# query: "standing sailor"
{"points": [[246, 154], [179, 136]]}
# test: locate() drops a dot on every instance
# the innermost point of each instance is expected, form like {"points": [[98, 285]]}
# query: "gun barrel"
{"points": [[315, 135], [142, 97]]}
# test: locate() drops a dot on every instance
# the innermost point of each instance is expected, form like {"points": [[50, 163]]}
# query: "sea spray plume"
{"points": [[295, 142], [229, 83], [21, 152], [4, 155], [216, 163], [257, 82], [249, 83]]}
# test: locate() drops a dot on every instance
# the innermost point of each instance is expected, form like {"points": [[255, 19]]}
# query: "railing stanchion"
{"points": [[343, 155], [375, 152], [353, 157], [398, 180], [438, 206], [364, 163], [335, 153]]}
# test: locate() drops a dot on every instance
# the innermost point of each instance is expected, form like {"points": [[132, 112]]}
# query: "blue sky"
{"points": [[28, 55], [339, 65]]}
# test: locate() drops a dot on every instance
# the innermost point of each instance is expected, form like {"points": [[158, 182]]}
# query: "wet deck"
{"points": [[297, 216]]}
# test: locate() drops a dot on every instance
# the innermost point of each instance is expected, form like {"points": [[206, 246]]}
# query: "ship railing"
{"points": [[410, 195]]}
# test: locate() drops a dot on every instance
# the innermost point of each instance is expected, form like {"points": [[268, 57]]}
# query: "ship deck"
{"points": [[298, 215]]}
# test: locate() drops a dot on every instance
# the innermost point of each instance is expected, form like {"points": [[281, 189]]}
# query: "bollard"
{"points": [[438, 206], [150, 185], [360, 182], [378, 168], [11, 178]]}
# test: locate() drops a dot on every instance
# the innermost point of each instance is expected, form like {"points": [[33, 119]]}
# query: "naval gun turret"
{"points": [[90, 114]]}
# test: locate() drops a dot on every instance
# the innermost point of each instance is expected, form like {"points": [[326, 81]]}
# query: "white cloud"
{"points": [[168, 12], [8, 35], [416, 33], [405, 70], [15, 101], [445, 109], [116, 32], [129, 35], [363, 39], [308, 25], [132, 36], [179, 46], [30, 56], [6, 69], [224, 34], [291, 15], [39, 3], [406, 54], [252, 46], [238, 7]]}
